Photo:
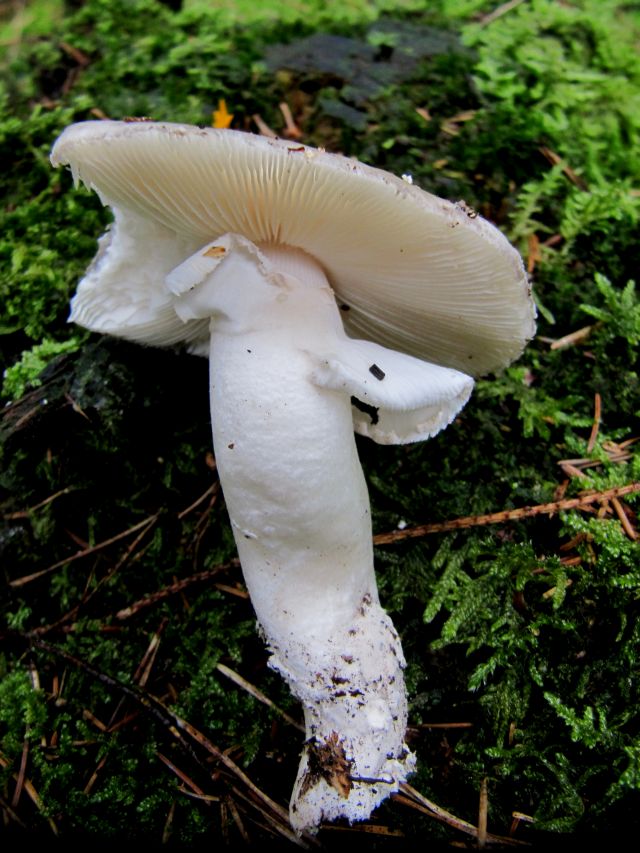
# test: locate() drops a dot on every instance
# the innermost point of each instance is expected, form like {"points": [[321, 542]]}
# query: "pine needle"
{"points": [[505, 515]]}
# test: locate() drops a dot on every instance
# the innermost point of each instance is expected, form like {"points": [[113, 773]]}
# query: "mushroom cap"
{"points": [[412, 271]]}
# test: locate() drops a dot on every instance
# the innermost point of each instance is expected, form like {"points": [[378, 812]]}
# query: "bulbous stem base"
{"points": [[353, 695]]}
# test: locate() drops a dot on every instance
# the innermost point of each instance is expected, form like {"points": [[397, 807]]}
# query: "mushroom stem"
{"points": [[299, 510]]}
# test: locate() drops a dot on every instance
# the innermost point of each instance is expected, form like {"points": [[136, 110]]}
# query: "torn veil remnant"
{"points": [[243, 247]]}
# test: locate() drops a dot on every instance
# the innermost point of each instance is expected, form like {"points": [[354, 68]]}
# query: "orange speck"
{"points": [[214, 252], [221, 117]]}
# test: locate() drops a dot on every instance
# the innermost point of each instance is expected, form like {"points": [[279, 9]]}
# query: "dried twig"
{"points": [[75, 53], [597, 414], [571, 339], [615, 453], [213, 488], [188, 781], [140, 677], [145, 666], [482, 813], [624, 519], [505, 515], [556, 159], [18, 582], [21, 774], [369, 828], [92, 590], [263, 127], [499, 12], [166, 830], [238, 591], [182, 731], [291, 129], [174, 589], [572, 471], [8, 813], [94, 776], [235, 814], [88, 715], [208, 798], [257, 694], [32, 793], [451, 125], [519, 817], [96, 112], [533, 255], [274, 825], [414, 799], [25, 513]]}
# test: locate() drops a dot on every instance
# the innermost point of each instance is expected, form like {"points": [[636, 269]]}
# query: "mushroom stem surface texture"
{"points": [[242, 248], [299, 509]]}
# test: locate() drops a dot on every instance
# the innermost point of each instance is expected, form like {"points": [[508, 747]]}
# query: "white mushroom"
{"points": [[248, 248]]}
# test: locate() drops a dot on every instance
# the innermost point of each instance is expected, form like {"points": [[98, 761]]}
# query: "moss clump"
{"points": [[27, 371]]}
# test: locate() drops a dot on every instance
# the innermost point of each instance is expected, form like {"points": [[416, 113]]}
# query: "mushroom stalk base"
{"points": [[355, 708]]}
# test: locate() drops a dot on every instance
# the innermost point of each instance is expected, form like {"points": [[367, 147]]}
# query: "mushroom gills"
{"points": [[119, 295]]}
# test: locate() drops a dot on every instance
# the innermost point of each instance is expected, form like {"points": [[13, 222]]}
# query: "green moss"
{"points": [[26, 372]]}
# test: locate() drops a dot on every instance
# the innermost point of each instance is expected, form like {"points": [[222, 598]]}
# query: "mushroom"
{"points": [[265, 254]]}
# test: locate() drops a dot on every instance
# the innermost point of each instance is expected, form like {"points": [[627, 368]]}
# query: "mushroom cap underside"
{"points": [[412, 271]]}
